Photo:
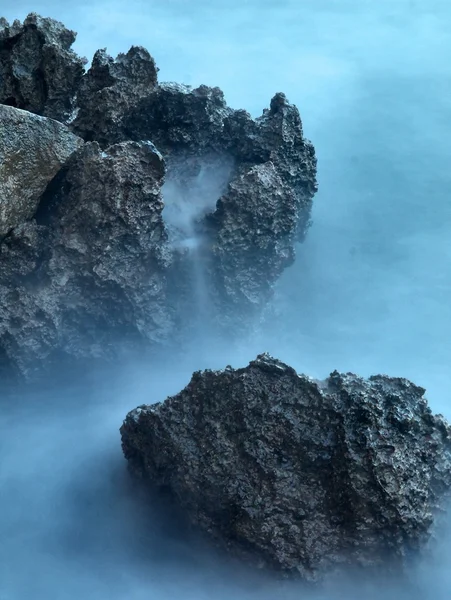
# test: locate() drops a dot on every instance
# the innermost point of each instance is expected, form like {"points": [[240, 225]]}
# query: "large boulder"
{"points": [[32, 151], [302, 475], [86, 278], [38, 70]]}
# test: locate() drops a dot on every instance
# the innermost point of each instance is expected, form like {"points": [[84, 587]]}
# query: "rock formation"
{"points": [[250, 236], [173, 207], [38, 70], [302, 475], [89, 270], [32, 152]]}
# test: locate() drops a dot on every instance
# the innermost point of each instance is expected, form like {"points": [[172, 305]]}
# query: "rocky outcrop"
{"points": [[38, 70], [302, 475], [266, 207], [86, 277], [110, 91], [32, 151], [178, 209]]}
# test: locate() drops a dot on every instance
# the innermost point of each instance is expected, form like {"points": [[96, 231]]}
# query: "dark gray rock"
{"points": [[252, 224], [32, 151], [236, 191], [38, 70], [248, 230], [301, 475], [86, 278], [109, 91]]}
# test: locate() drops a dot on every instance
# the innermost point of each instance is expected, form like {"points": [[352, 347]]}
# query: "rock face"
{"points": [[110, 91], [32, 151], [272, 177], [303, 475], [177, 210], [38, 70], [89, 270]]}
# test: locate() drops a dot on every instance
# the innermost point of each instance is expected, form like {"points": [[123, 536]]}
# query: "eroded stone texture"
{"points": [[302, 475], [86, 278], [32, 151], [109, 91], [250, 238], [38, 70], [243, 188]]}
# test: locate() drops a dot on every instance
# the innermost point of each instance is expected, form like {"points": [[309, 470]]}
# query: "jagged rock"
{"points": [[237, 195], [302, 475], [38, 70], [32, 151], [86, 278], [109, 91], [253, 241], [251, 227], [250, 236]]}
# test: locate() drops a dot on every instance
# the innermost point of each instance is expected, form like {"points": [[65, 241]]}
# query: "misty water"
{"points": [[370, 291]]}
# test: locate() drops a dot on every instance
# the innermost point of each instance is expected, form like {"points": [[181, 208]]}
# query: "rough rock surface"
{"points": [[236, 191], [266, 208], [109, 91], [304, 475], [86, 277], [38, 70], [32, 151]]}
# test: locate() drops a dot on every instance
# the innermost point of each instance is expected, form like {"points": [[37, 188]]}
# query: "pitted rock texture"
{"points": [[32, 151], [86, 278], [243, 188], [305, 476], [267, 207], [38, 70], [109, 91]]}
